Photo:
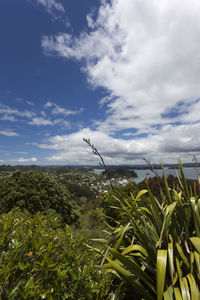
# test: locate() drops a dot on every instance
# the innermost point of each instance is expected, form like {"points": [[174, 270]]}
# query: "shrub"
{"points": [[36, 191], [41, 260]]}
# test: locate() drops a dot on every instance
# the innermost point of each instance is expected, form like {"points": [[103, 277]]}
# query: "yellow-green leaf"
{"points": [[177, 294], [184, 289], [161, 271], [196, 242], [195, 295]]}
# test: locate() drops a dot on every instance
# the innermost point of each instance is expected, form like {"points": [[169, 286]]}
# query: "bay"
{"points": [[190, 173]]}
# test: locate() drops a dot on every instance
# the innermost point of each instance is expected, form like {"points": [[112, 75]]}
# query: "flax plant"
{"points": [[157, 253], [162, 260]]}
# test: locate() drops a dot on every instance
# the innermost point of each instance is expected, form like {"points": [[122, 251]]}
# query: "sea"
{"points": [[190, 173]]}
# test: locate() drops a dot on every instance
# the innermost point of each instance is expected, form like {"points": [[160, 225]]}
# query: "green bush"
{"points": [[36, 191], [41, 260]]}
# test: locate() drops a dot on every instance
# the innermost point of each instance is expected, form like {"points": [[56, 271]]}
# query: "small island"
{"points": [[116, 172]]}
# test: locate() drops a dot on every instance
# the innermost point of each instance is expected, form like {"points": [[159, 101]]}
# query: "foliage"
{"points": [[41, 260], [157, 253], [36, 191], [80, 190], [157, 185], [92, 219], [110, 202]]}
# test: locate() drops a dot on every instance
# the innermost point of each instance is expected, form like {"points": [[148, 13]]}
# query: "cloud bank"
{"points": [[145, 54]]}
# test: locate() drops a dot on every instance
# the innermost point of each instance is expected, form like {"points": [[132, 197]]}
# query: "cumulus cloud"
{"points": [[170, 143], [146, 55], [8, 132]]}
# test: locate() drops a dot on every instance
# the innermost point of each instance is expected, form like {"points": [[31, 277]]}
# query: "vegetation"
{"points": [[79, 191], [42, 260], [157, 185], [147, 235], [157, 253], [36, 191], [110, 202]]}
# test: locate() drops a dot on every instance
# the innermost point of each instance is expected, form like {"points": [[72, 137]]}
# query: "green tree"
{"points": [[36, 191]]}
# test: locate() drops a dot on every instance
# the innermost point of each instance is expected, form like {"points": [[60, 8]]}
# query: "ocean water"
{"points": [[190, 173]]}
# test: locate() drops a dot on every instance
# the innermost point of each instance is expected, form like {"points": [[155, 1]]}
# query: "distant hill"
{"points": [[85, 168]]}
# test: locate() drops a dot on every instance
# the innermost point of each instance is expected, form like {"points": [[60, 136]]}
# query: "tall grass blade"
{"points": [[171, 260], [182, 255], [196, 243], [161, 272], [196, 216], [167, 190], [184, 289], [195, 295], [138, 288], [137, 248], [132, 267], [185, 186], [168, 213], [168, 294], [177, 294]]}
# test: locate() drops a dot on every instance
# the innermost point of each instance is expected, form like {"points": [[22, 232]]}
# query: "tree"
{"points": [[36, 191]]}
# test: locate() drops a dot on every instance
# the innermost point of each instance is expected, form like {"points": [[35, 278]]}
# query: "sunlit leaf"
{"points": [[161, 271]]}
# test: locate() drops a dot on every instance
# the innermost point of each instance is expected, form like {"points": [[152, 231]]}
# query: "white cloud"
{"points": [[21, 160], [40, 118], [8, 132], [48, 104], [30, 103], [52, 5], [170, 142], [58, 110], [26, 160], [40, 122], [8, 111], [55, 9], [62, 122], [146, 55], [7, 118]]}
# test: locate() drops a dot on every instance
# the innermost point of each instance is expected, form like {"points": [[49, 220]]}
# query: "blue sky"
{"points": [[123, 73]]}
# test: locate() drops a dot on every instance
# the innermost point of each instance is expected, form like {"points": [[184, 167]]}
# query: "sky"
{"points": [[123, 73]]}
